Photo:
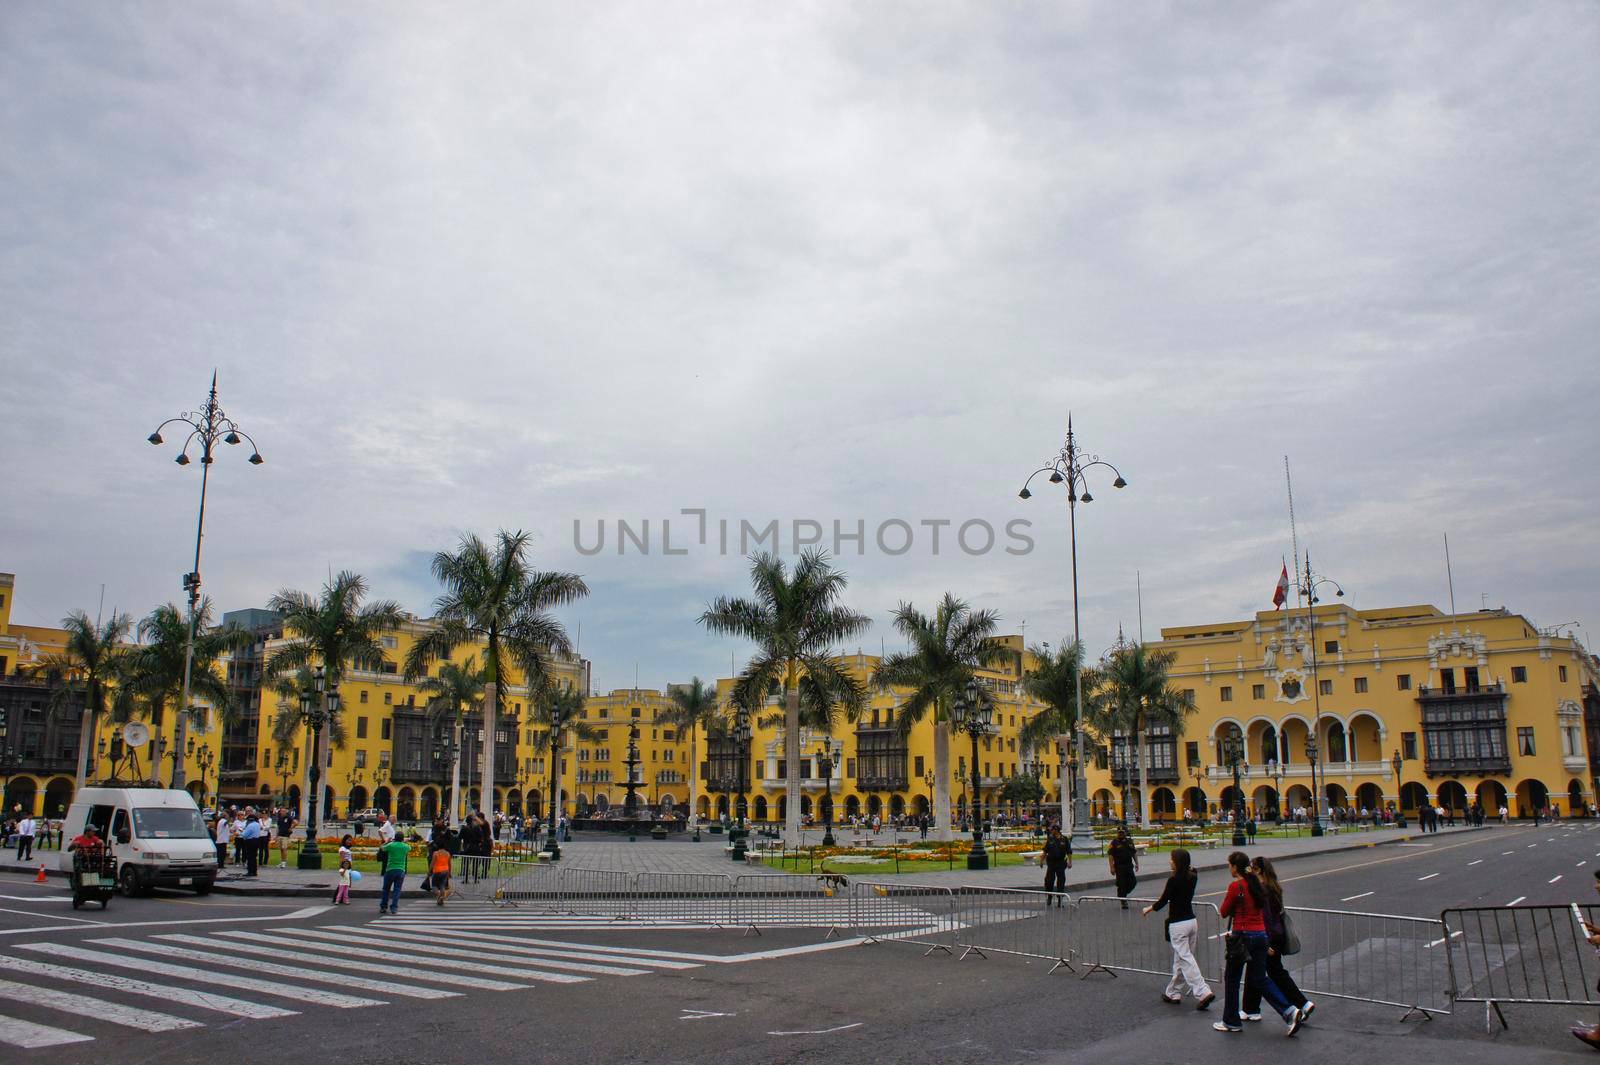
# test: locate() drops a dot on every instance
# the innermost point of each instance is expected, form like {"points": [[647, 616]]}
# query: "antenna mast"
{"points": [[1449, 576], [1294, 535]]}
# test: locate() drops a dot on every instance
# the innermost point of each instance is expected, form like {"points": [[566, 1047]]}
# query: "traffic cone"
{"points": [[40, 879]]}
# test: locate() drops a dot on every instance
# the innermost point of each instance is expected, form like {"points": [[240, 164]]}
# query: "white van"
{"points": [[156, 834]]}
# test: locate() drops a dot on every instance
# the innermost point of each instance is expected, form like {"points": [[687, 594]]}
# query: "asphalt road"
{"points": [[657, 995]]}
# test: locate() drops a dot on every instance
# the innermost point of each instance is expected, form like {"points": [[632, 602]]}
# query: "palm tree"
{"points": [[946, 652], [794, 621], [155, 668], [87, 665], [693, 706], [1136, 697], [333, 631], [492, 596], [289, 725], [557, 708], [1055, 680], [452, 695]]}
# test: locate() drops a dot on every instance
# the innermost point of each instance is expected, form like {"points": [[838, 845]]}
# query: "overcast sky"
{"points": [[470, 266]]}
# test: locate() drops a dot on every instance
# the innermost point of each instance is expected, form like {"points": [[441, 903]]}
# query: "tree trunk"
{"points": [[694, 774], [491, 705], [1144, 778], [455, 778], [1066, 789], [305, 776], [180, 731], [941, 778], [86, 730], [791, 755]]}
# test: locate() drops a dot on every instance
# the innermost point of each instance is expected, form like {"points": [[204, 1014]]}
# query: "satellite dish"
{"points": [[135, 734]]}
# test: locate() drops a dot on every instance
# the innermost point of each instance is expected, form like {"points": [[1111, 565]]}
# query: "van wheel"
{"points": [[202, 887], [128, 881]]}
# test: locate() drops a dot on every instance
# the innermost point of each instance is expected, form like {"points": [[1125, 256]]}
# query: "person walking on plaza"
{"points": [[25, 831], [1123, 857], [392, 857], [223, 830], [1057, 859], [1244, 905], [250, 839], [1590, 1035], [385, 829], [439, 872], [285, 828], [1279, 946], [1183, 931]]}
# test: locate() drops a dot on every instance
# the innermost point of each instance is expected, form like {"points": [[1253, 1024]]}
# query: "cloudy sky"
{"points": [[470, 266]]}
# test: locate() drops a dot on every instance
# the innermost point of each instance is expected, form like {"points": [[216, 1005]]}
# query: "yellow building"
{"points": [[1479, 707]]}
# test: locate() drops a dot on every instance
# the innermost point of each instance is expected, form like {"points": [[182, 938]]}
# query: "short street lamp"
{"points": [[741, 743], [971, 713], [319, 704], [1399, 791], [929, 778], [209, 426], [1311, 759], [824, 761], [1233, 756]]}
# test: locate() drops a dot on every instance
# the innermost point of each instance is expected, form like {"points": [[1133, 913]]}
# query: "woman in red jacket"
{"points": [[1245, 906]]}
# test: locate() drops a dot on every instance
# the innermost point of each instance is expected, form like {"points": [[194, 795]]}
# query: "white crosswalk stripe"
{"points": [[285, 954], [28, 1035], [517, 945], [99, 1008], [400, 954], [257, 965], [552, 958], [184, 972], [206, 1000]]}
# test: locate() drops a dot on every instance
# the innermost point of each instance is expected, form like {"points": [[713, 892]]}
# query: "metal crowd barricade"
{"points": [[478, 876], [598, 893], [528, 884], [1113, 935], [1371, 957], [699, 899], [1028, 923], [1520, 954], [904, 913], [781, 900]]}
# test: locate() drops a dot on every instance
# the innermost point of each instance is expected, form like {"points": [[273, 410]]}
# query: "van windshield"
{"points": [[162, 822]]}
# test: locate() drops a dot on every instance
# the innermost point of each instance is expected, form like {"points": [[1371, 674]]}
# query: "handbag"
{"points": [[1291, 938], [1233, 947]]}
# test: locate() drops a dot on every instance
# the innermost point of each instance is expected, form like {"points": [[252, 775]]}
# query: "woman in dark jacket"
{"points": [[1183, 930], [1277, 947]]}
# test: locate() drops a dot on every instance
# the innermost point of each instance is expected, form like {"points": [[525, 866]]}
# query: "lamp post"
{"points": [[1070, 468], [208, 425], [741, 743], [1277, 776], [1311, 759], [971, 714], [1233, 757], [1399, 791], [319, 702], [824, 760], [559, 720], [1199, 785], [1308, 588], [204, 761], [100, 757], [930, 778]]}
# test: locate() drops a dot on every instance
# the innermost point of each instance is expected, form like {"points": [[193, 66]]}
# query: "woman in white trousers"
{"points": [[1183, 932]]}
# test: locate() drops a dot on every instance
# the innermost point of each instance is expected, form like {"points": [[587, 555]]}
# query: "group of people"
{"points": [[1259, 937], [24, 831], [250, 833]]}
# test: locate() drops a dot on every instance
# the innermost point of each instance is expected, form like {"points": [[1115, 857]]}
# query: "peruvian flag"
{"points": [[1280, 594]]}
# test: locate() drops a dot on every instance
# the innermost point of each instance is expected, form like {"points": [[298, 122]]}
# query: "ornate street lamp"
{"points": [[971, 713], [1311, 758], [319, 704], [741, 743], [930, 778], [1233, 757], [824, 760], [1069, 468], [210, 426], [1399, 791]]}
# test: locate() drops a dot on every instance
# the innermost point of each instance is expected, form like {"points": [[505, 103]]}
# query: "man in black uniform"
{"points": [[1057, 859], [1124, 859]]}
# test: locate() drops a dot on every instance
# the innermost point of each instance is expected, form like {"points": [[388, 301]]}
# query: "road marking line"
{"points": [[1436, 942], [282, 951], [1356, 865], [342, 941], [316, 976], [98, 1008], [1532, 845], [1504, 853], [54, 916], [578, 951], [486, 952], [1478, 862], [1430, 876], [32, 898], [823, 1031], [296, 915], [1352, 898], [234, 1007], [184, 972], [1553, 879], [701, 1015], [1516, 900], [631, 952], [26, 1034], [1583, 863]]}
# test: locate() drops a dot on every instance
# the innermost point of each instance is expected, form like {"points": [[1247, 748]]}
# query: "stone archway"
{"points": [[1491, 796], [1369, 797], [23, 792], [405, 804], [358, 798], [57, 797], [1163, 804], [761, 808], [1531, 795]]}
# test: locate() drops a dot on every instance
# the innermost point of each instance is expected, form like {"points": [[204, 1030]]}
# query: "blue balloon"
{"points": [[354, 876]]}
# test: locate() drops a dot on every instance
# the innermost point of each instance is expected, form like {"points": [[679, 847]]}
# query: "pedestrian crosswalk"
{"points": [[55, 993], [646, 914]]}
